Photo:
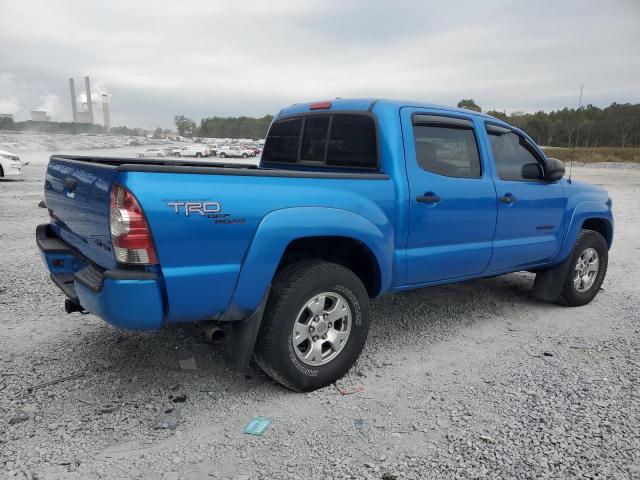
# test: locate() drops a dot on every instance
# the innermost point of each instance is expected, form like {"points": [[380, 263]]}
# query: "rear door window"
{"points": [[450, 151]]}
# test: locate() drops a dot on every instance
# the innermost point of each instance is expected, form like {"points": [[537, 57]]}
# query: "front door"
{"points": [[452, 198], [530, 212]]}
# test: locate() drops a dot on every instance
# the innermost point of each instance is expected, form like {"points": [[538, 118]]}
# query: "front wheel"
{"points": [[315, 325], [198, 154], [587, 269], [223, 155], [244, 155]]}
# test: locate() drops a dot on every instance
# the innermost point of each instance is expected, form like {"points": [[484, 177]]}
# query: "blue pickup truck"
{"points": [[352, 199]]}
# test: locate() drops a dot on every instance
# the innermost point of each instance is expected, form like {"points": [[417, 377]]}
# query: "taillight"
{"points": [[130, 234]]}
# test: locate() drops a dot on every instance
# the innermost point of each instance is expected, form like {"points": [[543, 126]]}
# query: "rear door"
{"points": [[530, 212], [452, 199]]}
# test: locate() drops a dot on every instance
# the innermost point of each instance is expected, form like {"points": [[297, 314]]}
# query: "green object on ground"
{"points": [[257, 426]]}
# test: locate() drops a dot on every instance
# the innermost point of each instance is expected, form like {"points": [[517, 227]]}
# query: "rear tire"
{"points": [[244, 155], [198, 154], [309, 295], [223, 155], [588, 267]]}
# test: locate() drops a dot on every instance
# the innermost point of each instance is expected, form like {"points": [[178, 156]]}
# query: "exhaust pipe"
{"points": [[212, 331], [71, 307]]}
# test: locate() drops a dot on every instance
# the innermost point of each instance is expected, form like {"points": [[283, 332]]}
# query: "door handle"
{"points": [[70, 184], [508, 198], [428, 199]]}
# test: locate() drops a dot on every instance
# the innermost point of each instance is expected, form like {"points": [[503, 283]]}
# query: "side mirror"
{"points": [[532, 171], [554, 169]]}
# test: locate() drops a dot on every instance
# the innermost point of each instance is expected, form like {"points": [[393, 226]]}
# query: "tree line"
{"points": [[617, 125], [224, 127]]}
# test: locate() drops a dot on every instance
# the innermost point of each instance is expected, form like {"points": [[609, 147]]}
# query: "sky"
{"points": [[158, 59]]}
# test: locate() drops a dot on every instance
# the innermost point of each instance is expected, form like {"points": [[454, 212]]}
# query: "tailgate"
{"points": [[77, 195]]}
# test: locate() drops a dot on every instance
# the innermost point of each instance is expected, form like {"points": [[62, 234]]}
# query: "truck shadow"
{"points": [[132, 366]]}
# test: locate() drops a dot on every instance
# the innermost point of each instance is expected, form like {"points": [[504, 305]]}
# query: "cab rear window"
{"points": [[340, 140]]}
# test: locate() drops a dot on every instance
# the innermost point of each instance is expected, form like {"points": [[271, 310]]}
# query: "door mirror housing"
{"points": [[532, 171], [554, 169]]}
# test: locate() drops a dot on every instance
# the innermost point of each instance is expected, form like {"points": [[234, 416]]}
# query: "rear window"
{"points": [[283, 140], [337, 140]]}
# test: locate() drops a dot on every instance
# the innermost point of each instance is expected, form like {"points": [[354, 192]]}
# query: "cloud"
{"points": [[231, 57], [9, 105], [51, 104]]}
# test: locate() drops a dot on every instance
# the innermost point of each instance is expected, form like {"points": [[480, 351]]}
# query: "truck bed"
{"points": [[201, 253]]}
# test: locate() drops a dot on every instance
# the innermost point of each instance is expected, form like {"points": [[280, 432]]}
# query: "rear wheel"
{"points": [[315, 325], [198, 154], [588, 268], [244, 155], [223, 155]]}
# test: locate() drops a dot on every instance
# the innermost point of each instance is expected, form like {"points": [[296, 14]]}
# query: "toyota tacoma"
{"points": [[352, 199]]}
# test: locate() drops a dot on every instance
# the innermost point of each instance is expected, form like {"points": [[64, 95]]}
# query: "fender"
{"points": [[583, 211], [281, 227]]}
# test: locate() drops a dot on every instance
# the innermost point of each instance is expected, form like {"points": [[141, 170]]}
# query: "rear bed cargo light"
{"points": [[130, 234]]}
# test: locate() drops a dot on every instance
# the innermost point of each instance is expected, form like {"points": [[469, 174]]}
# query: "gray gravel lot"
{"points": [[476, 380]]}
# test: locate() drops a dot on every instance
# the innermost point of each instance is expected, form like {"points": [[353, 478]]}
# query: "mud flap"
{"points": [[549, 284], [241, 337]]}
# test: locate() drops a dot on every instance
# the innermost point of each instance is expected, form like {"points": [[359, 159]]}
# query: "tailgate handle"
{"points": [[70, 184]]}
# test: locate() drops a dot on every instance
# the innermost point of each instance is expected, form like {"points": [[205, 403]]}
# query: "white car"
{"points": [[10, 164], [197, 150], [234, 151], [152, 152]]}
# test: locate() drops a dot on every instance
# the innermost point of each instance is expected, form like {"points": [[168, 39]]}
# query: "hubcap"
{"points": [[586, 270], [321, 329]]}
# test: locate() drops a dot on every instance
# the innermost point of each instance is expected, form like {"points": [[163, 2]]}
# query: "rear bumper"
{"points": [[130, 299]]}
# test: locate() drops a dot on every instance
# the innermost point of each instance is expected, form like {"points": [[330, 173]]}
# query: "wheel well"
{"points": [[345, 251], [599, 225]]}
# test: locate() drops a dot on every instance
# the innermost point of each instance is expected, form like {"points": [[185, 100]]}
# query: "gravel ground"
{"points": [[476, 380]]}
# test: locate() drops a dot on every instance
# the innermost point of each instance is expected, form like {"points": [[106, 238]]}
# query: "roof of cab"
{"points": [[367, 104]]}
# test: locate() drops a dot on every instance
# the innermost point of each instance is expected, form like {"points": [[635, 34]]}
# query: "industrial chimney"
{"points": [[105, 112], [87, 85], [74, 105]]}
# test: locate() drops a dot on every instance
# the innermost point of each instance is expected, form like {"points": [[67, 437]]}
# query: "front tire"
{"points": [[244, 155], [314, 327], [199, 155], [587, 270], [223, 155]]}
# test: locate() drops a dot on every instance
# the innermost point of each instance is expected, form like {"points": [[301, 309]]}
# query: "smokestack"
{"points": [[74, 105], [105, 111], [87, 86]]}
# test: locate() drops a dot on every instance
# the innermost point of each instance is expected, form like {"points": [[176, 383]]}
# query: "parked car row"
{"points": [[200, 150]]}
